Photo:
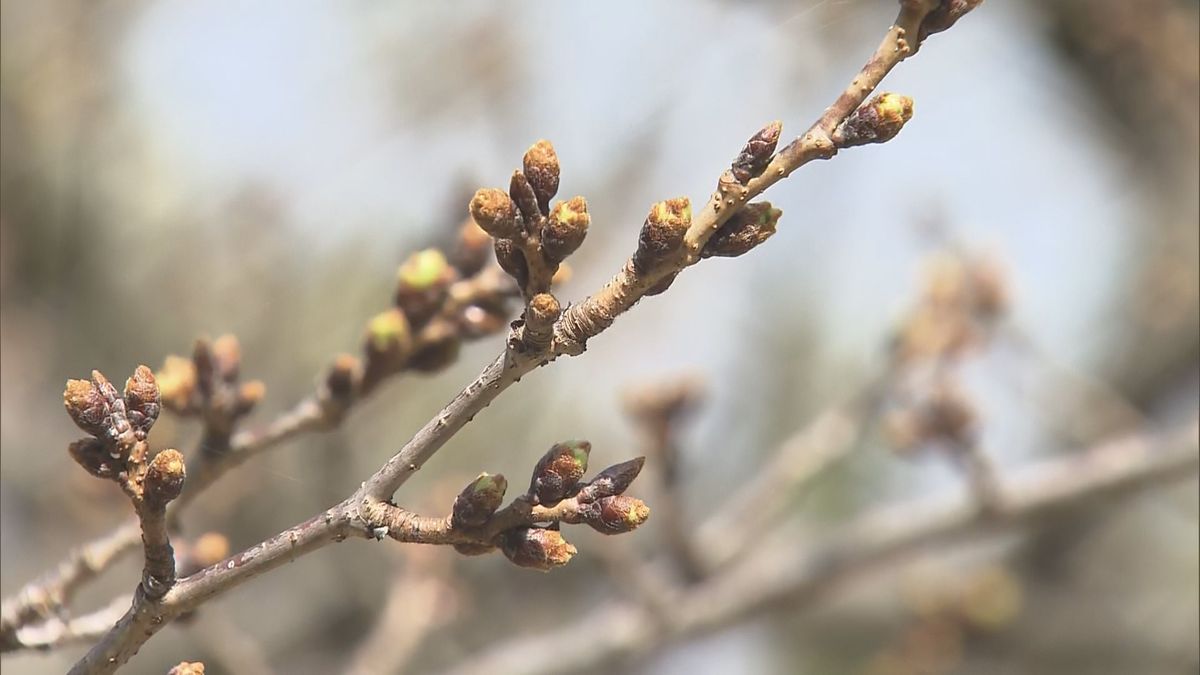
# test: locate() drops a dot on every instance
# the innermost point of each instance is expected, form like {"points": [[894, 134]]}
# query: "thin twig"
{"points": [[786, 576], [754, 508]]}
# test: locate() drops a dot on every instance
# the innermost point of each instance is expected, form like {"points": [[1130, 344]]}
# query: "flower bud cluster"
{"points": [[557, 494], [116, 423], [209, 384]]}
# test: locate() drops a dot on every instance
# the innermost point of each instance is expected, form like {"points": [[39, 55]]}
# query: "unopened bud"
{"points": [[424, 270], [164, 478], [98, 409], [541, 168], [757, 153], [525, 198], [227, 357], [438, 348], [87, 406], [559, 470], [537, 548], [343, 377], [93, 455], [388, 338], [421, 285], [663, 232], [202, 360], [543, 309], [478, 501], [565, 229], [750, 226], [944, 16], [612, 481], [142, 401], [876, 121], [512, 260], [617, 514], [176, 383], [248, 396], [471, 249], [495, 213], [187, 668]]}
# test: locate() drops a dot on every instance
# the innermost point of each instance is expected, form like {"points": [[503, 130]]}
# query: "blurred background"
{"points": [[175, 169]]}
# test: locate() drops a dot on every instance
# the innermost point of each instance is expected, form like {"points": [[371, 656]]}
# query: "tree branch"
{"points": [[671, 240], [784, 575]]}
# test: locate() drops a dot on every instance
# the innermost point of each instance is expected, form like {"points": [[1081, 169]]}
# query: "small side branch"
{"points": [[784, 576]]}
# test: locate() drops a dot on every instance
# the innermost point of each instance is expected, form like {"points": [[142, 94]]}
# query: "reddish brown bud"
{"points": [[876, 121], [617, 514], [343, 377], [944, 16], [478, 501], [537, 548], [176, 383], [750, 226], [565, 229], [612, 481], [541, 168], [512, 260], [87, 407], [164, 478], [202, 360], [525, 198], [471, 249], [438, 348], [98, 409], [495, 213], [663, 232], [757, 153], [142, 401], [559, 470], [93, 455], [227, 357]]}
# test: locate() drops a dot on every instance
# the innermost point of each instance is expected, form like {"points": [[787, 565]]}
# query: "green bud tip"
{"points": [[423, 269], [386, 329], [490, 483], [672, 211], [580, 450]]}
